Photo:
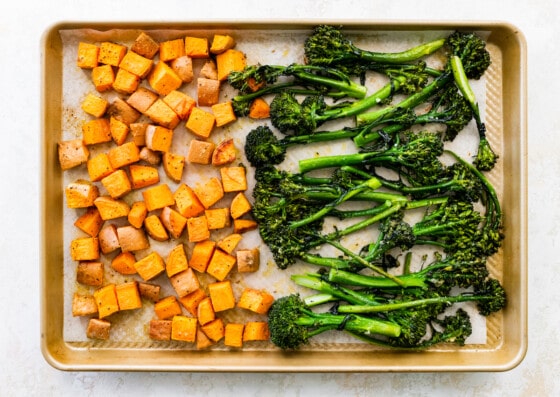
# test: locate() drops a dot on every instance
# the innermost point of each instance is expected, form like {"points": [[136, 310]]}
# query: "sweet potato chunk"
{"points": [[173, 221], [220, 264], [221, 294], [256, 331], [201, 255], [90, 273], [128, 296], [158, 197], [209, 192], [81, 194], [83, 305], [85, 249], [106, 299], [173, 165], [200, 152], [98, 329], [160, 329], [214, 329], [184, 328], [176, 260], [90, 222], [224, 153], [72, 153], [187, 202], [258, 301], [184, 282], [233, 335], [167, 307], [124, 263], [150, 266], [248, 260], [132, 239]]}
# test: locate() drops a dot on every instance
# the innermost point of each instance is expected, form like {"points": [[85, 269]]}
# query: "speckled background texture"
{"points": [[25, 372]]}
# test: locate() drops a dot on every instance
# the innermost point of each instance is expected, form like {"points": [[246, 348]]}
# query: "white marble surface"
{"points": [[25, 373]]}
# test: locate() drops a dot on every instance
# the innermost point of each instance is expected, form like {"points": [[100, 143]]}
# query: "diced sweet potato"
{"points": [[117, 183], [124, 263], [239, 206], [159, 138], [83, 305], [87, 55], [228, 61], [200, 123], [224, 113], [167, 307], [244, 225], [176, 260], [149, 291], [214, 329], [119, 130], [123, 155], [122, 111], [136, 64], [90, 273], [181, 103], [90, 222], [184, 328], [132, 239], [229, 242], [221, 294], [171, 49], [200, 152], [196, 47], [137, 214], [224, 153], [155, 229], [143, 175], [259, 109], [106, 299], [258, 301], [160, 329], [202, 340], [150, 266], [72, 153], [173, 165], [256, 331], [218, 218], [184, 282], [98, 329], [128, 296], [94, 105], [99, 167], [103, 77], [163, 79], [209, 192], [138, 132], [208, 91], [142, 99], [187, 201], [191, 301], [145, 45], [233, 179], [205, 312], [209, 70], [111, 53], [248, 260], [157, 197], [183, 67], [173, 221], [81, 194], [233, 335], [110, 208], [197, 229], [201, 254], [150, 156], [221, 43], [108, 239], [96, 131], [125, 82], [161, 113], [85, 249], [220, 265]]}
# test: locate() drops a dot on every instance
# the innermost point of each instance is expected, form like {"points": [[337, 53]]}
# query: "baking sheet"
{"points": [[275, 44]]}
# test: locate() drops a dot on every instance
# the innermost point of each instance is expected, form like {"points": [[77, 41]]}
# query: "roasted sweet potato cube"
{"points": [[124, 263], [256, 331], [181, 103], [125, 82], [90, 222], [98, 329], [132, 239], [233, 179], [197, 229], [184, 282], [150, 266], [202, 340], [81, 194], [228, 61], [214, 329], [137, 214], [111, 53], [159, 138], [99, 167], [123, 155], [83, 305], [209, 192], [94, 105], [197, 47], [244, 225], [122, 111], [176, 260], [191, 301], [248, 260], [163, 79], [239, 206], [208, 91], [259, 109], [184, 328], [136, 64], [258, 301], [218, 218], [72, 153], [229, 242], [221, 294], [233, 335], [142, 99], [106, 299], [167, 307], [201, 123], [87, 55], [161, 113], [117, 183], [149, 291], [173, 221], [150, 156], [108, 239], [110, 208], [171, 49], [183, 67], [128, 296], [103, 77], [143, 175], [205, 312], [221, 43], [187, 201], [138, 133], [96, 131], [145, 45], [224, 113], [160, 329], [201, 254], [155, 229], [200, 152], [85, 249], [157, 197], [90, 273], [224, 153], [220, 265], [173, 165], [209, 70]]}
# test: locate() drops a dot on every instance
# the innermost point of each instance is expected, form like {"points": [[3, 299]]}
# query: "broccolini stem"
{"points": [[408, 55]]}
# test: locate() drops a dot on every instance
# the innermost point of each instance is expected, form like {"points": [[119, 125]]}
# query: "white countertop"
{"points": [[25, 372]]}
